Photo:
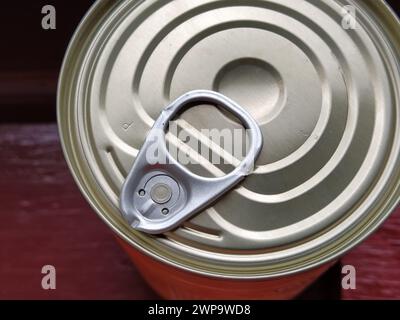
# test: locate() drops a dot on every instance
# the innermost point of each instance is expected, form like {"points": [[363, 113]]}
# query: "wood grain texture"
{"points": [[377, 263], [44, 220]]}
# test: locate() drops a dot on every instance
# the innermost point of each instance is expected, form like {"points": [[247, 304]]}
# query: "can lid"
{"points": [[320, 77]]}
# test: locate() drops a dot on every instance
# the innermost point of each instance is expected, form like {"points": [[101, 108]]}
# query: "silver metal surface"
{"points": [[160, 213], [326, 99]]}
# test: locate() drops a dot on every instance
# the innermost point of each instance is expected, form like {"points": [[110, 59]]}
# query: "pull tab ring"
{"points": [[157, 197]]}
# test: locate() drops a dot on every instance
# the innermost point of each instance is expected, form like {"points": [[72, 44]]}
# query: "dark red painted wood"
{"points": [[44, 220], [377, 262]]}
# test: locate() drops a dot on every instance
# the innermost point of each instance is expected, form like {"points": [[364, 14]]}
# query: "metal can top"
{"points": [[320, 77]]}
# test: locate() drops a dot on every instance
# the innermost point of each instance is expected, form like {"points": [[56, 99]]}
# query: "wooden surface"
{"points": [[45, 220], [377, 261]]}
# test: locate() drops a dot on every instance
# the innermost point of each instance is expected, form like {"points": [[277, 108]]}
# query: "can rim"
{"points": [[75, 168]]}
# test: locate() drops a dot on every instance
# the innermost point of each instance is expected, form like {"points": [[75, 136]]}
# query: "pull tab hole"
{"points": [[207, 142]]}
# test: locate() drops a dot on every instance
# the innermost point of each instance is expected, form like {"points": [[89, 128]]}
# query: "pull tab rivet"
{"points": [[161, 193]]}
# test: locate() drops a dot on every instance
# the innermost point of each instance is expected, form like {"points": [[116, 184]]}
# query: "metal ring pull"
{"points": [[157, 197]]}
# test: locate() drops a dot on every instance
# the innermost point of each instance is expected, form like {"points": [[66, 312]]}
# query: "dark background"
{"points": [[45, 220]]}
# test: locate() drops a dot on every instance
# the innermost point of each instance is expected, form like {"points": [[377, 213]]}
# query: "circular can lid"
{"points": [[322, 80]]}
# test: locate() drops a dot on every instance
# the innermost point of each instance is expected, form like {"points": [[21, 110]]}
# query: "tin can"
{"points": [[322, 80]]}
